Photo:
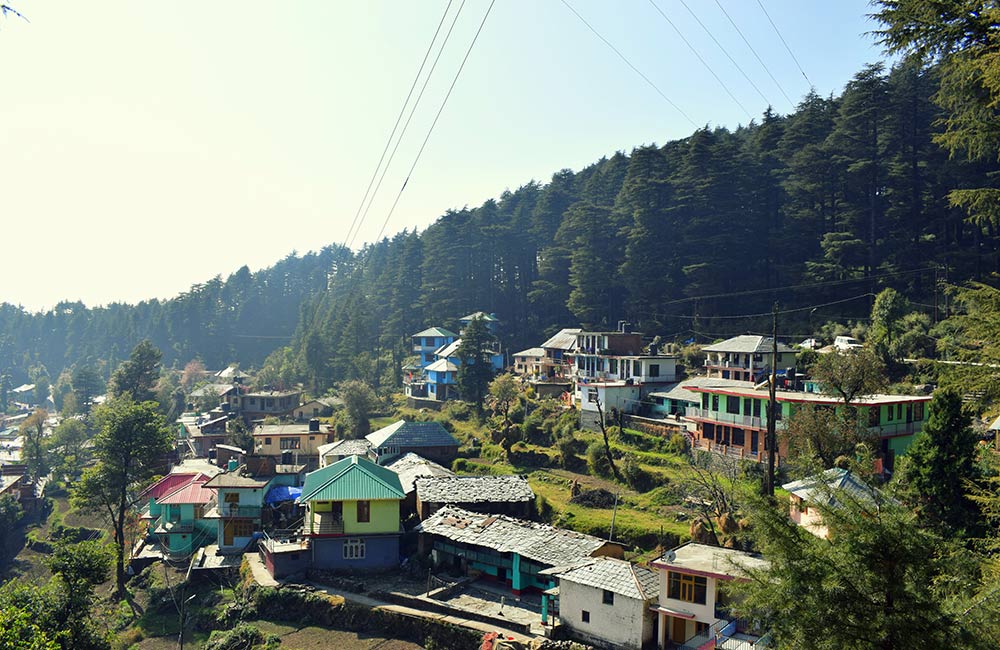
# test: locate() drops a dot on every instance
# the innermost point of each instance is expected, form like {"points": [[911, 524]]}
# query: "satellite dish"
{"points": [[669, 556]]}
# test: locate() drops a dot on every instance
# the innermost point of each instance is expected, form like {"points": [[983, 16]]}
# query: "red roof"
{"points": [[168, 484], [193, 492]]}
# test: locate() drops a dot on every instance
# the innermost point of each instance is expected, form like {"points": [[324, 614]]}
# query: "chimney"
{"points": [[232, 465]]}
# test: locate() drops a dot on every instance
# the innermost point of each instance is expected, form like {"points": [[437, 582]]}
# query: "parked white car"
{"points": [[846, 343], [810, 344]]}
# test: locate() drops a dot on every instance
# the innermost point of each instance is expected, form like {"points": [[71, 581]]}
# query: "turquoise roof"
{"points": [[352, 478], [438, 332]]}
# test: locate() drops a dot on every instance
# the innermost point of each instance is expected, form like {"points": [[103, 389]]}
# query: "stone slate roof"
{"points": [[619, 576], [812, 488], [412, 434], [235, 480], [531, 352], [212, 389], [411, 466], [474, 489], [351, 478], [537, 542], [436, 331], [746, 343], [564, 339], [345, 448]]}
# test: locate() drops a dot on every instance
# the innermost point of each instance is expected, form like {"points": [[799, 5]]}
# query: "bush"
{"points": [[635, 476], [241, 637], [457, 410], [543, 509], [597, 460]]}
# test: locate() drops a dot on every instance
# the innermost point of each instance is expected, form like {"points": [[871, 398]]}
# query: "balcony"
{"points": [[734, 419], [236, 511], [326, 524], [897, 428], [165, 526]]}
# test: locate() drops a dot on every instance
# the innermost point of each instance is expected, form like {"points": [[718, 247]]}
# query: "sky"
{"points": [[149, 146]]}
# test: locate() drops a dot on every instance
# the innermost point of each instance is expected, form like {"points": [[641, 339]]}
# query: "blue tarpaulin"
{"points": [[280, 493]]}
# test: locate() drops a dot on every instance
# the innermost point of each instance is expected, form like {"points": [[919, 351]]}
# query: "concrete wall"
{"points": [[384, 518], [625, 624], [381, 552]]}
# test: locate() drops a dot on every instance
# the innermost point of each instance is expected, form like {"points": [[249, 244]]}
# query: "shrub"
{"points": [[457, 410], [597, 460], [635, 476], [543, 509], [241, 637]]}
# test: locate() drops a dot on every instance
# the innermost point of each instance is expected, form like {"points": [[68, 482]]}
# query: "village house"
{"points": [[237, 508], [499, 495], [352, 521], [293, 443], [331, 452], [429, 341], [176, 514], [823, 488], [315, 408], [732, 417], [428, 439], [605, 602], [558, 353], [409, 467], [16, 483], [693, 609], [510, 551], [530, 363], [745, 358], [257, 405]]}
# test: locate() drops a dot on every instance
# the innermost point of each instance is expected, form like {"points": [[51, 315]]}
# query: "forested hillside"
{"points": [[826, 205]]}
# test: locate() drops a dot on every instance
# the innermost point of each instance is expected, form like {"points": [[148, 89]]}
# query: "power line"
{"points": [[409, 118], [724, 51], [629, 63], [783, 42], [396, 125], [757, 56], [703, 62], [436, 116], [771, 313]]}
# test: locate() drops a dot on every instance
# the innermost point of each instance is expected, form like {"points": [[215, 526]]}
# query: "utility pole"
{"points": [[771, 443]]}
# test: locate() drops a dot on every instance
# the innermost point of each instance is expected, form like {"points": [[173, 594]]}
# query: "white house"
{"points": [[693, 602], [606, 602]]}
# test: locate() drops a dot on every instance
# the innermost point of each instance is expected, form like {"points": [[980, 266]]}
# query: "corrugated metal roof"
{"points": [[615, 575], [412, 434], [531, 352], [479, 314], [442, 365], [746, 343], [436, 331], [193, 492], [448, 349], [352, 478], [564, 339], [168, 484]]}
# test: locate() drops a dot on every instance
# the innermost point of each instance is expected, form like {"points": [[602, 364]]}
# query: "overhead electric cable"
{"points": [[783, 42], [768, 313], [757, 56], [724, 51], [395, 126], [703, 61], [409, 118], [629, 63], [444, 103]]}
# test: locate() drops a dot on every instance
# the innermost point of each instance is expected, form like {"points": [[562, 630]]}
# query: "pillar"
{"points": [[515, 574], [545, 609]]}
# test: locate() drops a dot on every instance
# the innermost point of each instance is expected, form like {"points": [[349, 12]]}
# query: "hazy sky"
{"points": [[148, 146]]}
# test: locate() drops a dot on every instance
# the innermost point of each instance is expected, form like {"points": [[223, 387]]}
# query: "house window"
{"points": [[873, 416], [613, 366], [708, 431], [704, 401], [267, 441], [899, 411], [364, 512], [585, 616], [312, 437], [732, 405], [591, 395], [738, 438], [253, 401], [715, 402], [242, 528], [890, 413], [918, 411], [354, 549], [654, 370], [608, 597], [290, 443], [690, 589]]}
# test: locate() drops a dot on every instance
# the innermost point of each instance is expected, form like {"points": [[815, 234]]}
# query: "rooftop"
{"points": [[193, 491], [351, 478], [719, 562], [474, 489], [290, 429], [564, 339], [235, 479], [272, 393], [746, 343], [436, 331], [410, 466], [745, 389], [412, 434], [442, 365], [683, 390], [822, 487], [531, 352], [537, 542], [479, 314], [619, 576], [448, 349], [216, 390], [345, 448], [169, 484]]}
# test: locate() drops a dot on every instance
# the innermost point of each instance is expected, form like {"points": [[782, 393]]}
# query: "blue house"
{"points": [[427, 342]]}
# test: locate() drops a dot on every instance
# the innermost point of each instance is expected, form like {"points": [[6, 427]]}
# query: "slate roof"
{"points": [[683, 392], [537, 542], [345, 448], [746, 343], [412, 434], [564, 339], [235, 480], [212, 389], [474, 489], [351, 478], [531, 352], [435, 331], [410, 466], [619, 576], [442, 365]]}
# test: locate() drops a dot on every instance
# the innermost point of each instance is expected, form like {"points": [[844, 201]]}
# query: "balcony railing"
{"points": [[326, 525], [165, 525], [233, 511], [897, 428], [748, 421]]}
